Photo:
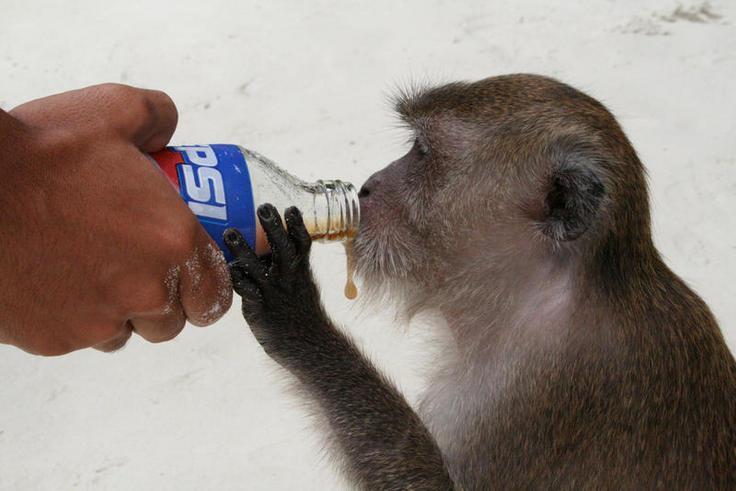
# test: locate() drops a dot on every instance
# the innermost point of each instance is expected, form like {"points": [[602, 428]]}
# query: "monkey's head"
{"points": [[505, 176]]}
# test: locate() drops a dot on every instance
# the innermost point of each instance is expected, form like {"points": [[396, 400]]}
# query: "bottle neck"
{"points": [[338, 209]]}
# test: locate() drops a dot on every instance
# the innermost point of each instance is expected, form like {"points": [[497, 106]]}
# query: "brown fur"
{"points": [[581, 360], [576, 359]]}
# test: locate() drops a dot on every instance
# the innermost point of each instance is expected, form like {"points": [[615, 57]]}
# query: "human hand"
{"points": [[95, 242]]}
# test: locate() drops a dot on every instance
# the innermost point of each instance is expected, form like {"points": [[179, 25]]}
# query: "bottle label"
{"points": [[214, 181]]}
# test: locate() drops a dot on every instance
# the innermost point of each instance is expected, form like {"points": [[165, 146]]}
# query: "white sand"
{"points": [[306, 86]]}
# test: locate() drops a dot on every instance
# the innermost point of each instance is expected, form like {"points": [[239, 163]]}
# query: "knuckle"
{"points": [[145, 111], [53, 345], [162, 100], [154, 108], [128, 104], [174, 246], [158, 328], [167, 332], [160, 339], [115, 343], [53, 144], [116, 92], [178, 239], [50, 349], [142, 106], [151, 297]]}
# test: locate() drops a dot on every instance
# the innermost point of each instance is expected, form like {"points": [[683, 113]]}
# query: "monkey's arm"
{"points": [[384, 443]]}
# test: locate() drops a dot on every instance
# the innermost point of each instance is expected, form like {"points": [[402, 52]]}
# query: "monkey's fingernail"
{"points": [[292, 213], [264, 211], [232, 236]]}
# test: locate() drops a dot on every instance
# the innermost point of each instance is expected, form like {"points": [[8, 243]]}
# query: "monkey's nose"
{"points": [[368, 186]]}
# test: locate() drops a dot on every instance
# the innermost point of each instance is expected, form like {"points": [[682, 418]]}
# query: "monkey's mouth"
{"points": [[375, 211]]}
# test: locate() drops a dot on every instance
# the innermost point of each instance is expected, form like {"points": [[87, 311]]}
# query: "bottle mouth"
{"points": [[343, 211]]}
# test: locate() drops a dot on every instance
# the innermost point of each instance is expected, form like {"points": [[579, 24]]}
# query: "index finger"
{"points": [[146, 118]]}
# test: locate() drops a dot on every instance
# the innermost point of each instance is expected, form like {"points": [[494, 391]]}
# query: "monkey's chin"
{"points": [[384, 265], [376, 259]]}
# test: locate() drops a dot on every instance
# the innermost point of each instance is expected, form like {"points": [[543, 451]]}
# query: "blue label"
{"points": [[215, 183]]}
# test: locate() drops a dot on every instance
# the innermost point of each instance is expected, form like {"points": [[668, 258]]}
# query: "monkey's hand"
{"points": [[384, 441], [281, 302]]}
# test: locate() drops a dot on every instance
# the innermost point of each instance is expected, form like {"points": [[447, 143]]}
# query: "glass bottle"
{"points": [[224, 185]]}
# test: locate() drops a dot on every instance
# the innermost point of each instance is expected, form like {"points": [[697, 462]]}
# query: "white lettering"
{"points": [[210, 211], [200, 155], [202, 180], [209, 179]]}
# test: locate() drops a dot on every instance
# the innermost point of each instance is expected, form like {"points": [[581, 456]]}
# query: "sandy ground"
{"points": [[305, 83]]}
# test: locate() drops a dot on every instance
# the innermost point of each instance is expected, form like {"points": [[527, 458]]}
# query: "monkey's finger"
{"points": [[297, 231], [281, 250], [243, 283], [250, 293], [244, 256], [237, 244]]}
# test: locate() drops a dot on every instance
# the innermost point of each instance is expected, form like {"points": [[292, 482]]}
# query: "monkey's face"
{"points": [[424, 212], [394, 233], [507, 170]]}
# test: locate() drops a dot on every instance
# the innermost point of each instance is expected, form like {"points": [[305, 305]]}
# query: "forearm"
{"points": [[385, 443]]}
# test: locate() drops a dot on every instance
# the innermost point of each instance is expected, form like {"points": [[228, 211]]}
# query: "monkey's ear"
{"points": [[573, 202]]}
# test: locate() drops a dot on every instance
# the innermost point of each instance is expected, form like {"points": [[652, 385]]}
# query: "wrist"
{"points": [[321, 338]]}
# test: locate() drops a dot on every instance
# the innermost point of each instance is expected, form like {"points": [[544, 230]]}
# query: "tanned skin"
{"points": [[576, 360]]}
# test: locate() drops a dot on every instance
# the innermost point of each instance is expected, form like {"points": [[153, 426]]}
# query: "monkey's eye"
{"points": [[421, 146]]}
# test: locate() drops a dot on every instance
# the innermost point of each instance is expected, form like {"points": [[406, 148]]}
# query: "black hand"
{"points": [[281, 302], [388, 446]]}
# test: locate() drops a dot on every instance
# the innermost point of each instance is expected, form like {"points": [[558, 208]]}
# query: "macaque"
{"points": [[576, 358]]}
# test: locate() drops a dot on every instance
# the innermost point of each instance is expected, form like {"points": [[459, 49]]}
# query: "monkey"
{"points": [[576, 359]]}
